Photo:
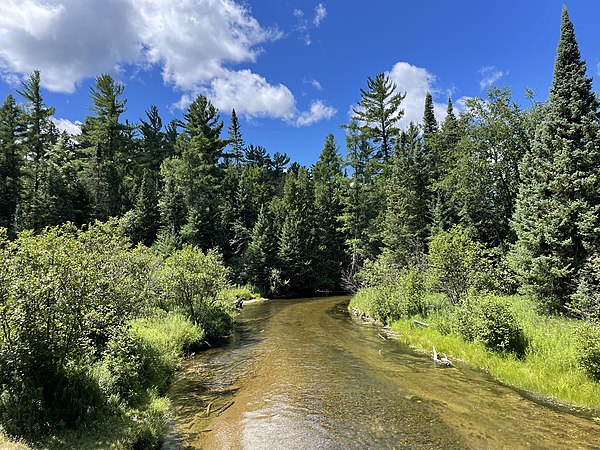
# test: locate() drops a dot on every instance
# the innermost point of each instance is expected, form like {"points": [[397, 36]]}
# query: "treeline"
{"points": [[520, 181], [496, 201]]}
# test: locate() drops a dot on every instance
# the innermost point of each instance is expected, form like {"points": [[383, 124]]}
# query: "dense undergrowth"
{"points": [[476, 322], [93, 329]]}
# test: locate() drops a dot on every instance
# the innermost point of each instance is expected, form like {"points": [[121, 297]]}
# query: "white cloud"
{"points": [[193, 42], [416, 82], [320, 13], [489, 75], [298, 13], [314, 83], [73, 128], [318, 111], [257, 97]]}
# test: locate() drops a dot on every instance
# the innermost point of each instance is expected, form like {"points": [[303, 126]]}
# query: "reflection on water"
{"points": [[302, 374]]}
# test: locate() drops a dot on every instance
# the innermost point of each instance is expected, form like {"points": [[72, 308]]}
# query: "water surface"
{"points": [[303, 374]]}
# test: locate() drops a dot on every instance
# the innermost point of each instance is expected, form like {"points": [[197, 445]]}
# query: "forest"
{"points": [[128, 244]]}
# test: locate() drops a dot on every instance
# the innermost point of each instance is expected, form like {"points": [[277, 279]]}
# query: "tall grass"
{"points": [[549, 366]]}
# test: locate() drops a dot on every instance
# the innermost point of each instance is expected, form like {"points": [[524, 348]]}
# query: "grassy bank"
{"points": [[549, 366]]}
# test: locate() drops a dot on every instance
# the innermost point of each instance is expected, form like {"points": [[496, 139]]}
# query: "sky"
{"points": [[292, 70]]}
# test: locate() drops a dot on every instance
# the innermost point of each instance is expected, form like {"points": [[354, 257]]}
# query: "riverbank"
{"points": [[549, 367]]}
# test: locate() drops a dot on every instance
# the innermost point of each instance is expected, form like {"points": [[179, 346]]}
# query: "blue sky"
{"points": [[291, 69]]}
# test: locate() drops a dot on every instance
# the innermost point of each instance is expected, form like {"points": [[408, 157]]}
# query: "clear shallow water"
{"points": [[302, 374]]}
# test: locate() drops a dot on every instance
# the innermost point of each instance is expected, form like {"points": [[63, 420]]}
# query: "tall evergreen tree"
{"points": [[407, 214], [261, 255], [330, 257], [236, 140], [196, 174], [430, 124], [379, 109], [363, 200], [296, 251], [39, 134], [558, 206], [104, 139], [11, 160]]}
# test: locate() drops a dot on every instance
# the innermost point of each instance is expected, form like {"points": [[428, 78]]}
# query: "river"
{"points": [[304, 374]]}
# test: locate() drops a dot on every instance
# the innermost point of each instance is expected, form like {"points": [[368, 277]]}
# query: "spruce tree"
{"points": [[236, 140], [430, 124], [558, 207]]}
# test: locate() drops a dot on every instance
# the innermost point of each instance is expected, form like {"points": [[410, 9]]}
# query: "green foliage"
{"points": [[490, 321], [64, 293], [456, 264], [407, 214], [190, 283], [588, 350], [144, 355], [379, 108], [558, 206], [585, 302], [403, 297], [150, 425]]}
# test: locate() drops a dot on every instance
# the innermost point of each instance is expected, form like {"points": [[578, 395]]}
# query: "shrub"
{"points": [[588, 349], [145, 355], [150, 426], [585, 302], [389, 302], [456, 264], [490, 321], [190, 284]]}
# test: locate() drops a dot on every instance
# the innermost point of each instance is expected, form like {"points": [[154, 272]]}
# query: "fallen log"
{"points": [[421, 324]]}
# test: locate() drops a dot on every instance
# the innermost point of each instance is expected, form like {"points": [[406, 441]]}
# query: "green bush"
{"points": [[150, 425], [63, 293], [389, 302], [456, 264], [190, 283], [588, 349], [490, 321], [145, 355]]}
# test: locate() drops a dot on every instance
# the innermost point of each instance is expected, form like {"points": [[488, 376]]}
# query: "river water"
{"points": [[304, 374]]}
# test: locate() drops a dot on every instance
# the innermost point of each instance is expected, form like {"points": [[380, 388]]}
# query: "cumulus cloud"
{"points": [[258, 97], [489, 75], [318, 111], [320, 13], [73, 128], [193, 42], [415, 82]]}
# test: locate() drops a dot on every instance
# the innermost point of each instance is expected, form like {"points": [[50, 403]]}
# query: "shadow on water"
{"points": [[304, 374]]}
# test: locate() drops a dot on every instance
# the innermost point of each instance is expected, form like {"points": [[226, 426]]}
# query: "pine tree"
{"points": [[406, 219], [236, 140], [105, 140], [379, 108], [558, 206], [330, 257], [39, 134], [11, 160]]}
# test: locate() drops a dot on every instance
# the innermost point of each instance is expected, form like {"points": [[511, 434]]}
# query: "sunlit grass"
{"points": [[549, 367]]}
